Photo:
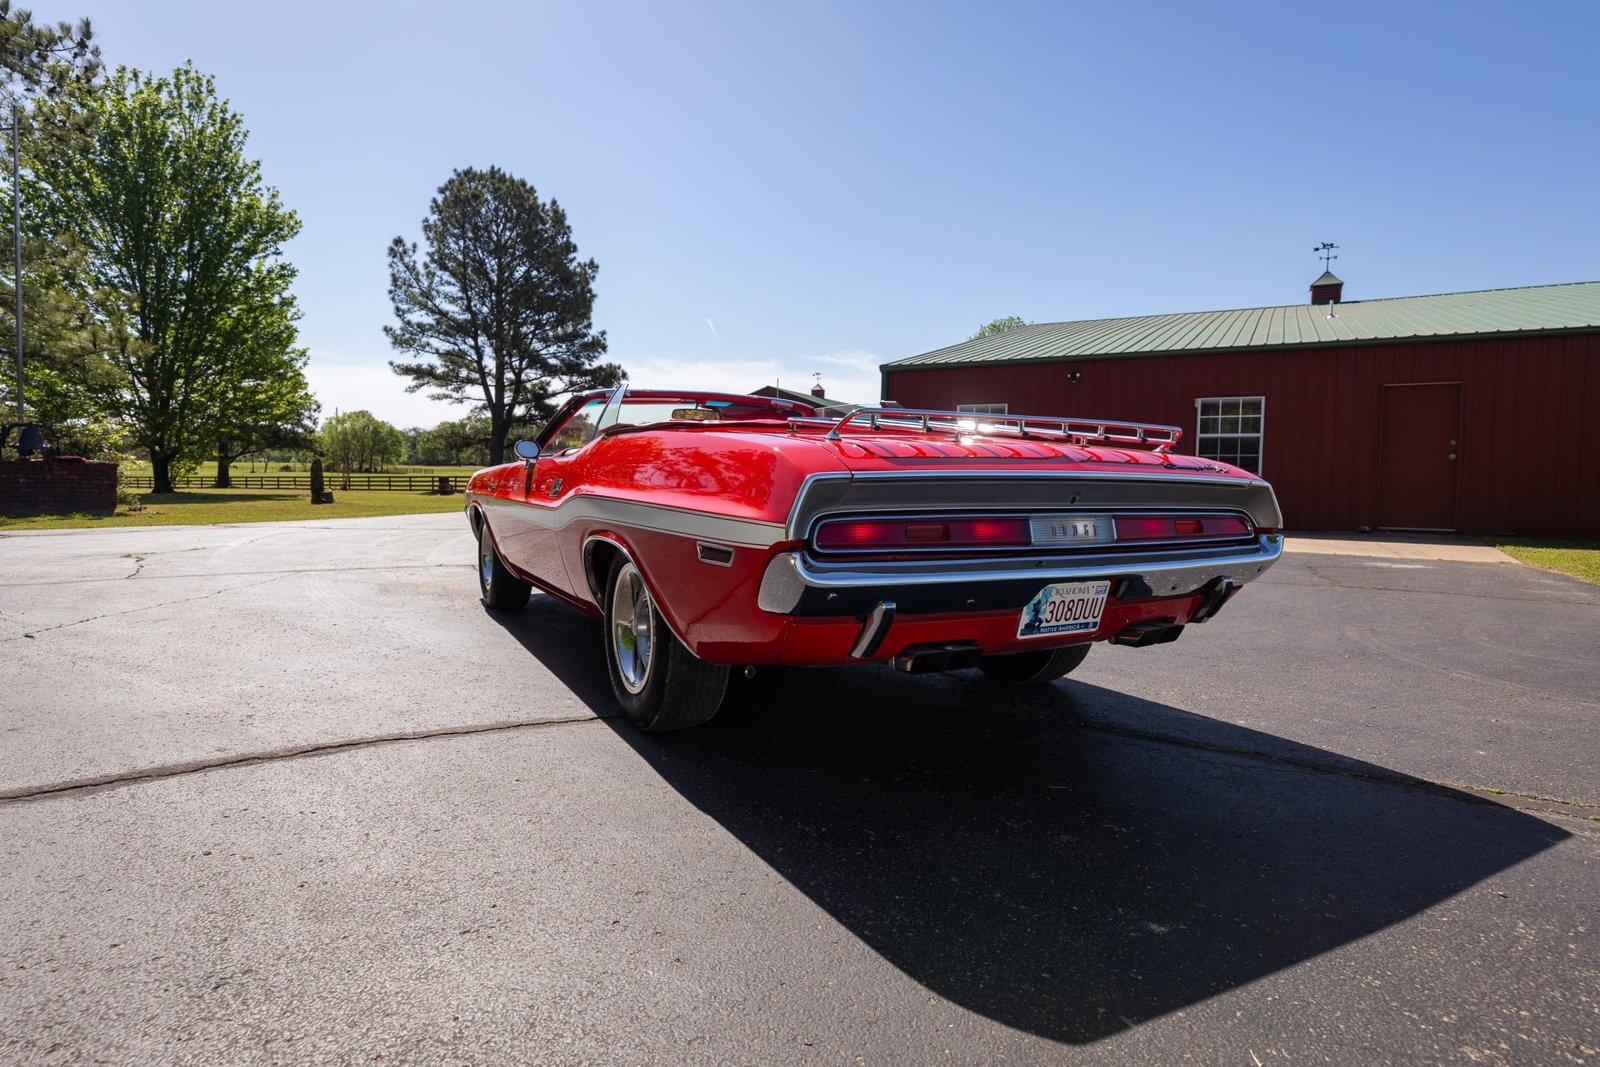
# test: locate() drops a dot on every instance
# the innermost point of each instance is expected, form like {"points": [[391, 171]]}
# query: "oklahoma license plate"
{"points": [[1073, 608]]}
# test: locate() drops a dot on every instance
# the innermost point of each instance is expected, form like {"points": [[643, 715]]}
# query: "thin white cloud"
{"points": [[850, 376], [713, 328]]}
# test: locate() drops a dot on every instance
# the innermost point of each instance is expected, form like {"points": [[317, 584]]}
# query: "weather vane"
{"points": [[1324, 252]]}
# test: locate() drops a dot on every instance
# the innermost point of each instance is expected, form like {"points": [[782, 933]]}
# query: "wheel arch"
{"points": [[601, 550]]}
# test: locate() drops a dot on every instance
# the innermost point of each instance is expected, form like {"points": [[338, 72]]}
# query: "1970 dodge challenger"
{"points": [[712, 531]]}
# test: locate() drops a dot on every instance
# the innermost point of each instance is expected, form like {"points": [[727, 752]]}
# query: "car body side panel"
{"points": [[710, 607]]}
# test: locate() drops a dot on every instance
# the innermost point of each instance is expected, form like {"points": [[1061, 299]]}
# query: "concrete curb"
{"points": [[1448, 547]]}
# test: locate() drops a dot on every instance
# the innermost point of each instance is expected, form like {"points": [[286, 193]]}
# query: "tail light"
{"points": [[1052, 532], [844, 535], [1144, 528]]}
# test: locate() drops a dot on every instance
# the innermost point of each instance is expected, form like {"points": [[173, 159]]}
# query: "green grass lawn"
{"points": [[199, 507], [1581, 559]]}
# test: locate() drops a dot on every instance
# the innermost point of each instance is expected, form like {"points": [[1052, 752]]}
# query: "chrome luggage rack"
{"points": [[1159, 437]]}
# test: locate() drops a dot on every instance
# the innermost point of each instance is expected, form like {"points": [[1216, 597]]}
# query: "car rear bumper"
{"points": [[796, 585]]}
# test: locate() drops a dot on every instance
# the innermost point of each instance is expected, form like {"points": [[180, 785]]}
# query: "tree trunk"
{"points": [[497, 443], [223, 480], [161, 470]]}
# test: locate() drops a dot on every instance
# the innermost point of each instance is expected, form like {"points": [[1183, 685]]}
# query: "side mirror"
{"points": [[527, 451]]}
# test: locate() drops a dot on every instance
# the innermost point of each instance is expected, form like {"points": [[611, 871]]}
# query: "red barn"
{"points": [[1461, 411]]}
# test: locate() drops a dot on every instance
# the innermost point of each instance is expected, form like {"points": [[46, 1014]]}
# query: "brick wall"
{"points": [[56, 486]]}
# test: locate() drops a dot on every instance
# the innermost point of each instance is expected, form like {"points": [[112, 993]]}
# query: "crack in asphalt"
{"points": [[1460, 792], [71, 531], [31, 634], [166, 772], [240, 574]]}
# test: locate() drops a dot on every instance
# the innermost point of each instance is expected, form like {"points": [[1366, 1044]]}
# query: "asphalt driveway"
{"points": [[286, 793]]}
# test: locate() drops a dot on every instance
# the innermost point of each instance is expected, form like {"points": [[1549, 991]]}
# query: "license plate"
{"points": [[1073, 608]]}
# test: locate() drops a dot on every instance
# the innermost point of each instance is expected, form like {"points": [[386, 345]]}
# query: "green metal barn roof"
{"points": [[1571, 307]]}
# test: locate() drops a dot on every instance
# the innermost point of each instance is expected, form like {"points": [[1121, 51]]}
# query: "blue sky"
{"points": [[773, 190]]}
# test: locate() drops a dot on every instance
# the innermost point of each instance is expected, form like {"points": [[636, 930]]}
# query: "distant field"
{"points": [[1580, 559], [208, 469], [200, 507]]}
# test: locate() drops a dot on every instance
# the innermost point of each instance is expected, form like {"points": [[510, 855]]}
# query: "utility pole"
{"points": [[16, 222]]}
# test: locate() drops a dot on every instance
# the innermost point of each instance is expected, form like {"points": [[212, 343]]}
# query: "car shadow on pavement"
{"points": [[1066, 860]]}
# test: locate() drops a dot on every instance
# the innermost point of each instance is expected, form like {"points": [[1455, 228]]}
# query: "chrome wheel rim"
{"points": [[632, 629], [485, 559]]}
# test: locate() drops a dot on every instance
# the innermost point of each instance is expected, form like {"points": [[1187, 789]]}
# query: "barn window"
{"points": [[983, 409], [1230, 430]]}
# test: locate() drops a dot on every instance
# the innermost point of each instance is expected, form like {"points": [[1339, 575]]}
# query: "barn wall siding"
{"points": [[1528, 406]]}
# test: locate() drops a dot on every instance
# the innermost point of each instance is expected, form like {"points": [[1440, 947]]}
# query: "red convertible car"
{"points": [[712, 531]]}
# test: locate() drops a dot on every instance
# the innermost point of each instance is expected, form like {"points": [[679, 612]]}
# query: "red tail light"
{"points": [[843, 535], [958, 534], [1131, 528]]}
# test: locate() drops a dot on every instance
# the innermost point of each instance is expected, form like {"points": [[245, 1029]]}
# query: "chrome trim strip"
{"points": [[840, 492], [613, 405], [751, 533], [790, 574], [989, 424], [795, 523]]}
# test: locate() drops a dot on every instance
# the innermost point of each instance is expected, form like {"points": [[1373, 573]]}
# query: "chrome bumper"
{"points": [[796, 585]]}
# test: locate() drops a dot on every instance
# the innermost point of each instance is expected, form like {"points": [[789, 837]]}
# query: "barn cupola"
{"points": [[1327, 289]]}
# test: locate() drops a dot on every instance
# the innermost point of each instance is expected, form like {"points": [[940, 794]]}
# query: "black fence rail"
{"points": [[410, 483]]}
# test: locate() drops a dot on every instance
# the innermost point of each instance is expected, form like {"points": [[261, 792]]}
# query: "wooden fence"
{"points": [[410, 483]]}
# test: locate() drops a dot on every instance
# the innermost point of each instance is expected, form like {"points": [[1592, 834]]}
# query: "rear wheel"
{"points": [[497, 587], [1031, 668], [659, 684]]}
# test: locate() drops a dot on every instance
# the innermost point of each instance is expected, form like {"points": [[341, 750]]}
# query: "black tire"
{"points": [[658, 683], [498, 588], [1031, 668]]}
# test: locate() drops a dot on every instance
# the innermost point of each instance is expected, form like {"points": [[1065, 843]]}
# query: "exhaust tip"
{"points": [[1144, 634], [926, 659]]}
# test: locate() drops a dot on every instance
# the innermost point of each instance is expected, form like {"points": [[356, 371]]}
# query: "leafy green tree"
{"points": [[360, 441], [43, 61], [66, 371], [184, 276], [39, 59], [459, 442], [994, 326], [499, 312], [266, 414]]}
